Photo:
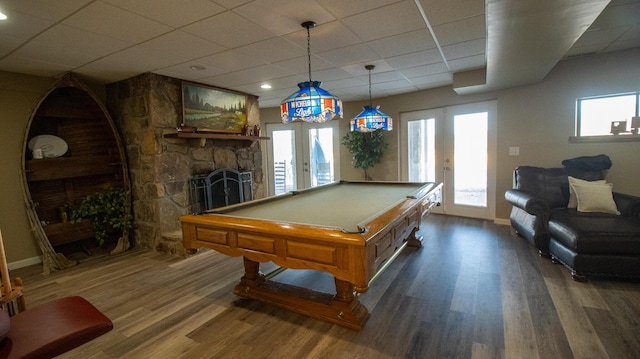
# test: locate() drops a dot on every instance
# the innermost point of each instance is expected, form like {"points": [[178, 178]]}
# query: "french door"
{"points": [[456, 146], [301, 155]]}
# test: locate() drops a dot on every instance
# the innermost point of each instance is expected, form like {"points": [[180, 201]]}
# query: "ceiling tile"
{"points": [[183, 44], [387, 21], [45, 9], [430, 69], [22, 26], [230, 4], [170, 12], [135, 60], [389, 85], [284, 16], [462, 30], [465, 49], [34, 67], [342, 8], [228, 29], [325, 37], [432, 81], [97, 18], [355, 54], [259, 73], [360, 70], [272, 50], [300, 65], [618, 13], [401, 44], [330, 75], [601, 37], [231, 61], [70, 47], [414, 59], [440, 12], [8, 44], [332, 85], [107, 72]]}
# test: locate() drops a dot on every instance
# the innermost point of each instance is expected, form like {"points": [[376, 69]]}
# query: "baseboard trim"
{"points": [[24, 263], [502, 221]]}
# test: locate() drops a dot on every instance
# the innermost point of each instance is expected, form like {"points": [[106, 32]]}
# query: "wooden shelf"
{"points": [[605, 138], [69, 167], [217, 136]]}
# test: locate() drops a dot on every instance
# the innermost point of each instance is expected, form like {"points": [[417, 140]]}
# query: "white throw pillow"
{"points": [[595, 198], [573, 201]]}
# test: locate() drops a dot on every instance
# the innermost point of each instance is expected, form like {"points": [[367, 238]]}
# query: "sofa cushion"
{"points": [[593, 197], [601, 234], [573, 200]]}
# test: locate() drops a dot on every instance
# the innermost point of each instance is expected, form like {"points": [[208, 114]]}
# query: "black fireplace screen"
{"points": [[219, 188]]}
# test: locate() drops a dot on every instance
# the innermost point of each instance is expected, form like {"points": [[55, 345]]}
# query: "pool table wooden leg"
{"points": [[413, 240], [342, 308], [252, 275]]}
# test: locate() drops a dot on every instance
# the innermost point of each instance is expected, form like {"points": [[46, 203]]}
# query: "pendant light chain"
{"points": [[370, 101], [309, 51]]}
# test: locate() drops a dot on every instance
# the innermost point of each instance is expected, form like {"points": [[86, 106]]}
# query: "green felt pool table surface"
{"points": [[343, 205]]}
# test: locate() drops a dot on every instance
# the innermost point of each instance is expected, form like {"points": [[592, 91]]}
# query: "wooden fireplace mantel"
{"points": [[213, 135]]}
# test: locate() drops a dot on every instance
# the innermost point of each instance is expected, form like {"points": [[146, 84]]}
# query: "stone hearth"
{"points": [[145, 108]]}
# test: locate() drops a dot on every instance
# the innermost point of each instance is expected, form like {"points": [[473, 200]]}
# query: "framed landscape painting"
{"points": [[213, 110]]}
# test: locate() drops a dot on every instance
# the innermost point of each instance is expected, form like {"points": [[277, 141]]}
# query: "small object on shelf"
{"points": [[189, 129], [635, 124], [49, 145], [37, 153], [618, 127]]}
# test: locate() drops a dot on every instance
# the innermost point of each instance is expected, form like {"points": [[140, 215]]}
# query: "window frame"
{"points": [[626, 137]]}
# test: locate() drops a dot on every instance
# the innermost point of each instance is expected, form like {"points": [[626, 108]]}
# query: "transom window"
{"points": [[608, 115]]}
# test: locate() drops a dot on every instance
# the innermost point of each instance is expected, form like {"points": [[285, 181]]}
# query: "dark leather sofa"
{"points": [[588, 243]]}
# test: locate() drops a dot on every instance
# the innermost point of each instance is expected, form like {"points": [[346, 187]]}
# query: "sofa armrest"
{"points": [[628, 205], [527, 202]]}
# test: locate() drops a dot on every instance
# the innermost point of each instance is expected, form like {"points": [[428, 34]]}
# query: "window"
{"points": [[595, 115]]}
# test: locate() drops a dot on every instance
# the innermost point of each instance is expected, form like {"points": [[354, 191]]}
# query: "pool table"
{"points": [[347, 229]]}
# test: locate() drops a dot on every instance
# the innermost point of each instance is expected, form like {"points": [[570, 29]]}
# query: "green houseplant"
{"points": [[367, 149], [107, 212]]}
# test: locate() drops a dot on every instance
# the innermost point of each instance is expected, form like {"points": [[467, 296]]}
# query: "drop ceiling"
{"points": [[472, 45]]}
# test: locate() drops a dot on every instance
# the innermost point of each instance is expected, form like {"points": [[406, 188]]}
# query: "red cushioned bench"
{"points": [[52, 328]]}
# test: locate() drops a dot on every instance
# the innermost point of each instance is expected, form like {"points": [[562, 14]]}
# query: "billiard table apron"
{"points": [[353, 259]]}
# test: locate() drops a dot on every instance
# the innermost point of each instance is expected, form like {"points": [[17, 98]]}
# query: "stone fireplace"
{"points": [[145, 109]]}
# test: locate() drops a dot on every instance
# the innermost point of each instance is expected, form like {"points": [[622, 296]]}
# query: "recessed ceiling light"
{"points": [[2, 16], [197, 67], [265, 86]]}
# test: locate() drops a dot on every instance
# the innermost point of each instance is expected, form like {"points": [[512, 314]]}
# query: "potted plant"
{"points": [[367, 149], [108, 213]]}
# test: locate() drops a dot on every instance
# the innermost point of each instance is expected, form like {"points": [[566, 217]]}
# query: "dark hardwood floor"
{"points": [[474, 290]]}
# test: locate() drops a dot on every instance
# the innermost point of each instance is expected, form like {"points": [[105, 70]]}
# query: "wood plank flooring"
{"points": [[474, 290]]}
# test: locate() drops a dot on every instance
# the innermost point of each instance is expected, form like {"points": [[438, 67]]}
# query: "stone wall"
{"points": [[145, 108]]}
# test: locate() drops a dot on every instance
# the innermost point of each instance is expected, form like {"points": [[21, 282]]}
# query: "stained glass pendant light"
{"points": [[310, 103], [371, 119]]}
